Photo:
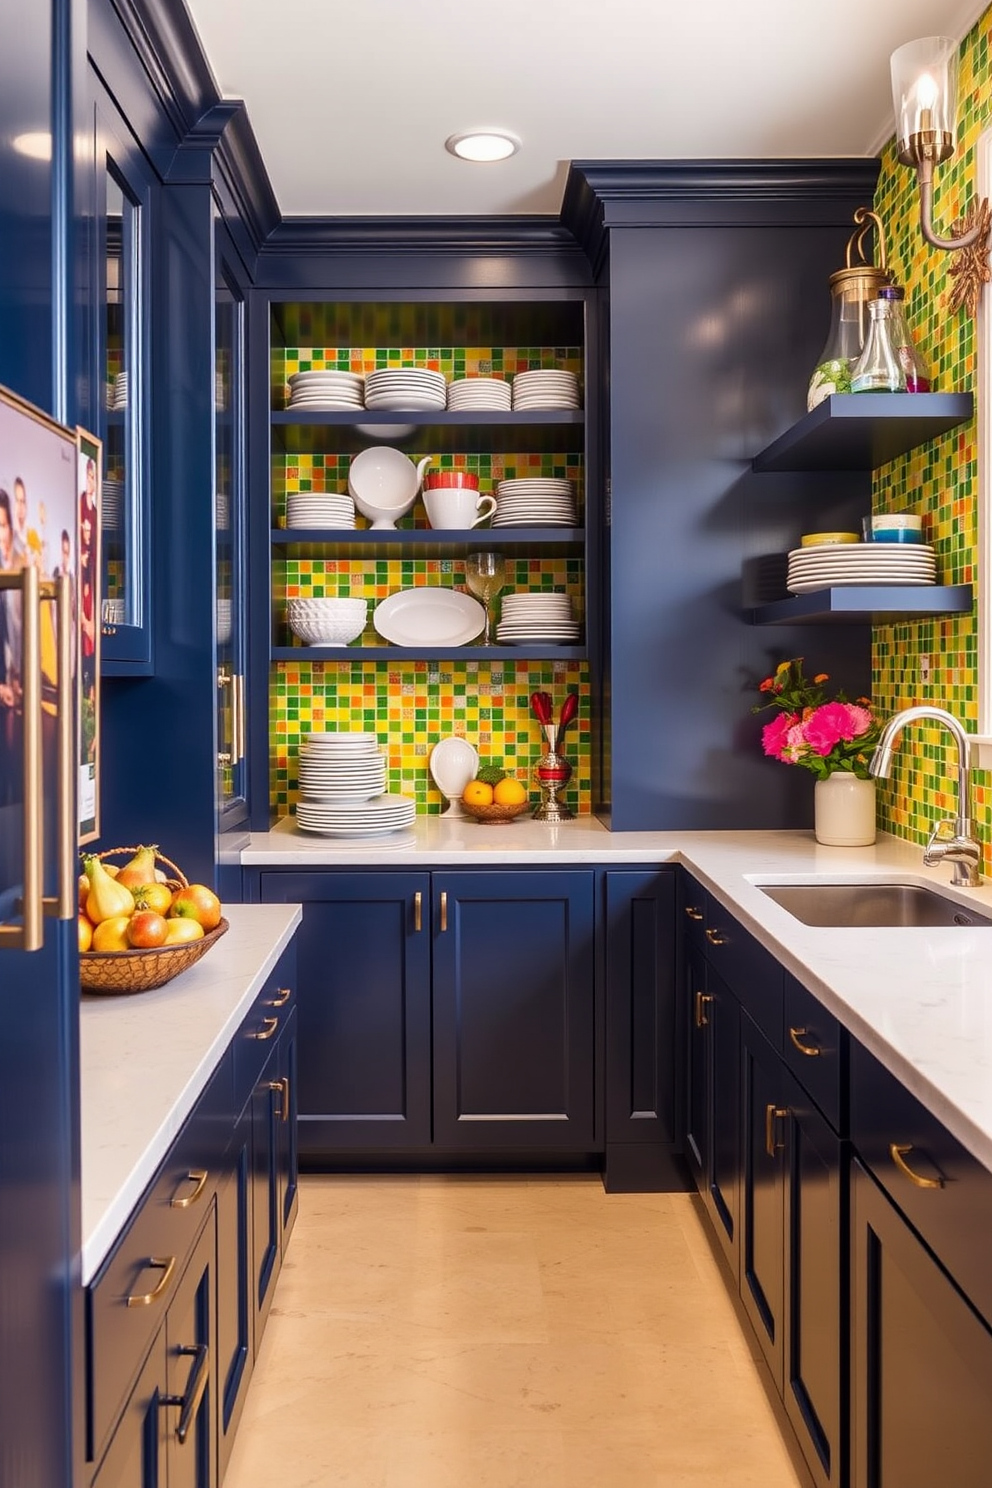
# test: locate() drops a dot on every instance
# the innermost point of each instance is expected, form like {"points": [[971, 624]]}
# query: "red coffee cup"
{"points": [[440, 480]]}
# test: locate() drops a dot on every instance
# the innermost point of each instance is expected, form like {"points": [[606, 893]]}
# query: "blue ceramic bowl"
{"points": [[896, 535]]}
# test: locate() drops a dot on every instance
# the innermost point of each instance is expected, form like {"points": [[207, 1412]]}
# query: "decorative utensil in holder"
{"points": [[552, 772]]}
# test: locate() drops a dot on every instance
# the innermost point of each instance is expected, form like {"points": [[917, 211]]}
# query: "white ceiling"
{"points": [[351, 100]]}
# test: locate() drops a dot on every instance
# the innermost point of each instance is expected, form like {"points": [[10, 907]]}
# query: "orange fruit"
{"points": [[509, 792], [478, 793]]}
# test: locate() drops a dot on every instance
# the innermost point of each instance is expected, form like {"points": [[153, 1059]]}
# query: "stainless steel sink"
{"points": [[867, 905]]}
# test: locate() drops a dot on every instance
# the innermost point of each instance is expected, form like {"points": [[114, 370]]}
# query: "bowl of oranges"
{"points": [[496, 800]]}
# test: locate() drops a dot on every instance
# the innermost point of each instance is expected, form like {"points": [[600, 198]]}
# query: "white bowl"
{"points": [[383, 483], [327, 622]]}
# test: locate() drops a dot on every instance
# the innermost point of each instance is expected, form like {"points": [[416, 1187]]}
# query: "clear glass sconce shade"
{"points": [[924, 96]]}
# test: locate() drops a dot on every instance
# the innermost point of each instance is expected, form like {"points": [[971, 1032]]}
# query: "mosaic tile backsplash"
{"points": [[410, 705], [940, 481]]}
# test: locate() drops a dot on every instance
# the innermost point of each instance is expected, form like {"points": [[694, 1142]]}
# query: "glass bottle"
{"points": [[913, 362], [851, 291], [879, 368]]}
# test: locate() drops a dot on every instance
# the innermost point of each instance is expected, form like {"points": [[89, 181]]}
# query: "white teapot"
{"points": [[383, 483]]}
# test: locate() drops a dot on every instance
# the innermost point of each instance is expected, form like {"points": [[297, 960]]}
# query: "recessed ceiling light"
{"points": [[483, 144], [36, 144]]}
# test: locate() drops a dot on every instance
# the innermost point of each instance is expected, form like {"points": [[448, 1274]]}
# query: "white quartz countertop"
{"points": [[146, 1058], [919, 999]]}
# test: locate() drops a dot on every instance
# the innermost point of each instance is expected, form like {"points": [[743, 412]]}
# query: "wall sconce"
{"points": [[924, 94]]}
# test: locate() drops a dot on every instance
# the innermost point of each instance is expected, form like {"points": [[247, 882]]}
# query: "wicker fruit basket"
{"points": [[495, 815], [143, 971]]}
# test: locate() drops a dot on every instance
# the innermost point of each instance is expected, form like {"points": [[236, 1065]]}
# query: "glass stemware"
{"points": [[485, 575]]}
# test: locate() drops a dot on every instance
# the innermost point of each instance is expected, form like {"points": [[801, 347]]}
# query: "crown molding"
{"points": [[396, 235]]}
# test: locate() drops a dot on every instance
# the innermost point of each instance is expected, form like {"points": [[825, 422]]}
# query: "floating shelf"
{"points": [[556, 430], [860, 604], [348, 654], [861, 431]]}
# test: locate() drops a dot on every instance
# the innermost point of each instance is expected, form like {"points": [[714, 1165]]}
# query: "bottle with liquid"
{"points": [[910, 357], [879, 368], [852, 289]]}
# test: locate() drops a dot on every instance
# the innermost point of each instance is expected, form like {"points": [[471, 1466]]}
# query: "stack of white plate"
{"points": [[836, 564], [546, 389], [538, 501], [308, 509], [222, 510], [342, 788], [325, 391], [413, 388], [472, 393], [117, 393], [537, 617], [112, 502]]}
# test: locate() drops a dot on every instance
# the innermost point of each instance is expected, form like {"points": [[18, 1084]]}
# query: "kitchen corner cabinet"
{"points": [[850, 435], [447, 1012]]}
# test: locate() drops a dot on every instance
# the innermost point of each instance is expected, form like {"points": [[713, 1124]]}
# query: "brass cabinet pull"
{"points": [[810, 1050], [418, 912], [167, 1265], [714, 937], [283, 994], [241, 735], [703, 999], [229, 756], [282, 1086], [268, 1028], [444, 910], [198, 1176], [64, 906], [898, 1156], [773, 1113], [29, 935], [693, 912], [189, 1403]]}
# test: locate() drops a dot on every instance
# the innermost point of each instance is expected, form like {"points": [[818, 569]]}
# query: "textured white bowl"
{"points": [[327, 622]]}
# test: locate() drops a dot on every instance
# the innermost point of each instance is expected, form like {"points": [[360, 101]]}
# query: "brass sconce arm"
{"points": [[924, 174]]}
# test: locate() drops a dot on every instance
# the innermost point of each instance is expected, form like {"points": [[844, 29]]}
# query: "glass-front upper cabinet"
{"points": [[229, 539], [123, 197]]}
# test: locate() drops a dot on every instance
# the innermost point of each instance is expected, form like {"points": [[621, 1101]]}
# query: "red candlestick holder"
{"points": [[552, 773]]}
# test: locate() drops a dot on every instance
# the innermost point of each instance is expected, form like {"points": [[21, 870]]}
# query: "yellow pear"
{"points": [[106, 898], [140, 869]]}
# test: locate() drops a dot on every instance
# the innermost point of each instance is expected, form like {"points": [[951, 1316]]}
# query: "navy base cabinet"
{"points": [[713, 1098], [445, 1013], [922, 1365]]}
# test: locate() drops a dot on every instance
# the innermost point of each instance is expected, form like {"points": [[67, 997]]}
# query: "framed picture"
{"points": [[85, 568]]}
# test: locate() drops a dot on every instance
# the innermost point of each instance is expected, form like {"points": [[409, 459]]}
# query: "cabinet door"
{"points": [[136, 1457], [265, 1106], [363, 998], [191, 1350], [763, 1192], [287, 1153], [234, 1312], [815, 1335], [922, 1359], [640, 1008], [515, 1042], [124, 193], [713, 1118]]}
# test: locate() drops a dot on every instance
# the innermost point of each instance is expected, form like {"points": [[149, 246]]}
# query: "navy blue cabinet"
{"points": [[762, 1193], [514, 1011], [922, 1357], [643, 1070], [364, 1002], [713, 1097], [446, 1011], [137, 1454], [234, 1358]]}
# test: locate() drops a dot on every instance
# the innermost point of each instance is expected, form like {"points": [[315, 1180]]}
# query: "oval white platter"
{"points": [[429, 617]]}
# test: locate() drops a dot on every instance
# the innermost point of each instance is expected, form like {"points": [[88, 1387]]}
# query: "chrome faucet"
{"points": [[959, 847]]}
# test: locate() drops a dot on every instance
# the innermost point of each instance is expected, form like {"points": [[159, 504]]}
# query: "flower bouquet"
{"points": [[824, 736]]}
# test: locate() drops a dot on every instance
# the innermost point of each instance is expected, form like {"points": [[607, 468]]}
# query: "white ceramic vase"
{"points": [[844, 810]]}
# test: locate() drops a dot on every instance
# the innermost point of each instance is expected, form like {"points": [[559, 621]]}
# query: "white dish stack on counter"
{"points": [[343, 788], [537, 617]]}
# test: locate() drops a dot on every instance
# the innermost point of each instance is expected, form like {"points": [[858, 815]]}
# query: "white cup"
{"points": [[456, 506]]}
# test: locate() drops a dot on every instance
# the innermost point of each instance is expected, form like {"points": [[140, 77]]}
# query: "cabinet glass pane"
{"points": [[122, 510], [228, 556]]}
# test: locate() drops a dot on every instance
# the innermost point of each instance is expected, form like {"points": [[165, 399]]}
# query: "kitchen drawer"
{"points": [[262, 1026], [815, 1049], [150, 1255], [751, 972], [953, 1211]]}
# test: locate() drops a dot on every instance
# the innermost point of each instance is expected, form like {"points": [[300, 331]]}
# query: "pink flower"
{"points": [[835, 723], [774, 735]]}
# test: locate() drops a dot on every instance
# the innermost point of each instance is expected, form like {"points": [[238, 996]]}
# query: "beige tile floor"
{"points": [[490, 1332]]}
